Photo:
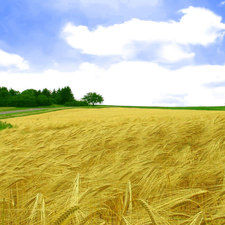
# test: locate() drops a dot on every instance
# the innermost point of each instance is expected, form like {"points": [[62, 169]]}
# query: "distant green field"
{"points": [[53, 108], [216, 108], [27, 113], [2, 109]]}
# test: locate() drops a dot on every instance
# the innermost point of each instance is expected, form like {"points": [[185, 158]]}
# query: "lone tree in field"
{"points": [[93, 98]]}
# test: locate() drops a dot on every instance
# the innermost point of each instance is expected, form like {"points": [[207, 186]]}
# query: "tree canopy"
{"points": [[33, 98], [93, 98]]}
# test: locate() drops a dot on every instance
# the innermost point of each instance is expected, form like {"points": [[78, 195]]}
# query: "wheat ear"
{"points": [[75, 196], [43, 217], [154, 215], [128, 198], [66, 215], [149, 210], [3, 215]]}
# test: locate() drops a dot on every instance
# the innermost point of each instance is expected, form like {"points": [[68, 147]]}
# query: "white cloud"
{"points": [[222, 3], [132, 83], [173, 53], [8, 60], [197, 26]]}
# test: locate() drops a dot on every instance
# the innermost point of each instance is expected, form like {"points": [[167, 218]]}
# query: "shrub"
{"points": [[4, 125]]}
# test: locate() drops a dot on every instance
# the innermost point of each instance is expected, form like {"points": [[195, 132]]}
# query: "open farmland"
{"points": [[119, 166]]}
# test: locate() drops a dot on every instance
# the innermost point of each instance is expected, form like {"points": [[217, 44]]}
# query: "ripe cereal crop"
{"points": [[113, 166]]}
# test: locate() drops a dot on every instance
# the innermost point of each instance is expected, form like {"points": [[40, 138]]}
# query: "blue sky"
{"points": [[132, 52]]}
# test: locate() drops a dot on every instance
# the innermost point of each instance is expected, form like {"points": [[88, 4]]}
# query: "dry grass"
{"points": [[114, 166]]}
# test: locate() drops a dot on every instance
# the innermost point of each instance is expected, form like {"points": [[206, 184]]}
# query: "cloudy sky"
{"points": [[132, 52]]}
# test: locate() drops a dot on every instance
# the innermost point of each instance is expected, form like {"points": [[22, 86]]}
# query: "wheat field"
{"points": [[113, 166]]}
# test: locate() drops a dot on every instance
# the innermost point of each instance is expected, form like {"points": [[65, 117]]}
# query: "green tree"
{"points": [[61, 96], [31, 92], [38, 93], [46, 92], [4, 96], [4, 93], [13, 100], [58, 97], [13, 92], [26, 100], [53, 97], [66, 95], [93, 98], [43, 100]]}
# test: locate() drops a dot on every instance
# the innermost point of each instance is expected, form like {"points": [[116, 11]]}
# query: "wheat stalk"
{"points": [[34, 208], [39, 200], [98, 212], [3, 211], [224, 179], [74, 199], [99, 189], [182, 202], [128, 201], [125, 220], [43, 212], [197, 219], [13, 202], [154, 216]]}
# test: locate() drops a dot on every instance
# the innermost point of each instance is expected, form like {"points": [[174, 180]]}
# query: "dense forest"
{"points": [[33, 98]]}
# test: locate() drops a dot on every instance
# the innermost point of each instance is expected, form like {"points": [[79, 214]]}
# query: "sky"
{"points": [[132, 52]]}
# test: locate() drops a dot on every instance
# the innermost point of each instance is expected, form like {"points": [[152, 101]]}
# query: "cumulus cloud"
{"points": [[197, 26], [8, 60], [200, 26]]}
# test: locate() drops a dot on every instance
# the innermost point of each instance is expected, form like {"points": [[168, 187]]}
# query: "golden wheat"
{"points": [[173, 159]]}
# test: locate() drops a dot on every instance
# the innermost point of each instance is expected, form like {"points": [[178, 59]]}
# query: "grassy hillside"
{"points": [[113, 166]]}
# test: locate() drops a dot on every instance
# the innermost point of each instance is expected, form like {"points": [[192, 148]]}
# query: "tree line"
{"points": [[34, 98]]}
